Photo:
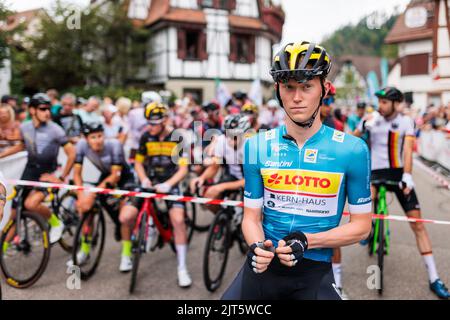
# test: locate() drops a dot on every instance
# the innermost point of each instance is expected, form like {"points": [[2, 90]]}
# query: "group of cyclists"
{"points": [[296, 172]]}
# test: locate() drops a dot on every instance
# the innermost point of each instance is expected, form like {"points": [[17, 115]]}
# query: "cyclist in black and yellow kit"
{"points": [[159, 165]]}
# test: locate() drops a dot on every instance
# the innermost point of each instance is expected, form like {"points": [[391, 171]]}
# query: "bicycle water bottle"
{"points": [[152, 235]]}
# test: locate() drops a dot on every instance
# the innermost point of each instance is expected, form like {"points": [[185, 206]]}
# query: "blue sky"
{"points": [[305, 20]]}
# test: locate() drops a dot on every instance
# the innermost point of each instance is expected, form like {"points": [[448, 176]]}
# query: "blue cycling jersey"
{"points": [[306, 189]]}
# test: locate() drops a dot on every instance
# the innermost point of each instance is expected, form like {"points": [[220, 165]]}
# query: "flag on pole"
{"points": [[372, 87], [255, 93], [222, 93]]}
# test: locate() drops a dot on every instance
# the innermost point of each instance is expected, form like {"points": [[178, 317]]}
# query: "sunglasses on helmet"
{"points": [[299, 75]]}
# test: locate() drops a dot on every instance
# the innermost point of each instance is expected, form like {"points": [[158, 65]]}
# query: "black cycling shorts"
{"points": [[308, 280], [31, 173], [408, 202]]}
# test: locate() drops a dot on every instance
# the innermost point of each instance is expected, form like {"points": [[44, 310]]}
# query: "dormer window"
{"points": [[218, 4]]}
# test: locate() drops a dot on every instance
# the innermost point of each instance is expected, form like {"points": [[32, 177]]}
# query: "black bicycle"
{"points": [[24, 241], [223, 232], [379, 238], [89, 239]]}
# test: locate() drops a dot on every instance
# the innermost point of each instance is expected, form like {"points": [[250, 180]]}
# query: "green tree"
{"points": [[102, 48], [3, 35], [359, 39]]}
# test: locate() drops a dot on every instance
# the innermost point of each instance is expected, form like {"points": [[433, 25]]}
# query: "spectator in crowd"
{"points": [[137, 123], [124, 106], [89, 112], [21, 111], [10, 139], [325, 112], [11, 100], [338, 120], [56, 105], [68, 120], [355, 118], [81, 102], [113, 129], [181, 118], [272, 115]]}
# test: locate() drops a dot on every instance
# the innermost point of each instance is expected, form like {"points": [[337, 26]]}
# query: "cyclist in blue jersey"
{"points": [[297, 180]]}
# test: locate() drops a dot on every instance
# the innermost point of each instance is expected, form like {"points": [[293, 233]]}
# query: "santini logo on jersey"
{"points": [[278, 164]]}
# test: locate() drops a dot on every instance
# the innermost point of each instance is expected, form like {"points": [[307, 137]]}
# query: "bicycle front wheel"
{"points": [[89, 242], [69, 216], [215, 256], [138, 248], [24, 250], [380, 254]]}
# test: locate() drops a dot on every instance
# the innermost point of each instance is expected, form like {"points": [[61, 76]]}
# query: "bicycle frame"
{"points": [[166, 234], [381, 210]]}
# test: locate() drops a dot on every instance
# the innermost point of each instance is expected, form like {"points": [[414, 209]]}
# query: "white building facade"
{"points": [[423, 69], [196, 42]]}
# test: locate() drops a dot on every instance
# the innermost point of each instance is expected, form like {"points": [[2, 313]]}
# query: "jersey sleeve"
{"points": [[60, 136], [142, 150], [409, 127], [358, 180], [254, 187], [117, 156], [80, 152], [359, 126]]}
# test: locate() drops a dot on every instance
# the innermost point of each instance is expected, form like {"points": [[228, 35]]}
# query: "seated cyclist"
{"points": [[391, 139], [42, 139], [108, 157], [157, 165], [252, 112], [228, 150]]}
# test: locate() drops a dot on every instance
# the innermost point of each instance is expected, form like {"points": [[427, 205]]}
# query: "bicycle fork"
{"points": [[381, 210]]}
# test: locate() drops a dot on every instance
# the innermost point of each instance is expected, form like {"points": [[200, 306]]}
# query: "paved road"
{"points": [[405, 274]]}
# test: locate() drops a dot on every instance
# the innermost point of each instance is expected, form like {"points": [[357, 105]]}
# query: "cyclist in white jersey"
{"points": [[391, 139]]}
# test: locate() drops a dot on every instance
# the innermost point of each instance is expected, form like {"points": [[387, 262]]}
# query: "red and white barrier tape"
{"points": [[125, 193], [444, 182], [230, 203]]}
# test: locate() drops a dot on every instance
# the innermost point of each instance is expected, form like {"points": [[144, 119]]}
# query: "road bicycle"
{"points": [[153, 221], [24, 241], [379, 238], [223, 232]]}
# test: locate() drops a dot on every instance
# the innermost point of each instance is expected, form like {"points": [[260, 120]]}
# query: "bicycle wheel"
{"points": [[24, 259], [380, 254], [216, 252], [202, 221], [138, 248], [92, 230], [69, 215]]}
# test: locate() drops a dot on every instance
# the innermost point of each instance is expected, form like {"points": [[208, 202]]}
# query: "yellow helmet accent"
{"points": [[249, 107], [155, 111], [301, 61]]}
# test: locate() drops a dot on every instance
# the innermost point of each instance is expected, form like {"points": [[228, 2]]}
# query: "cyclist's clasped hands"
{"points": [[291, 249], [260, 255]]}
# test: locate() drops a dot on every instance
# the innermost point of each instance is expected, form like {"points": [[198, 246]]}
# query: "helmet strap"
{"points": [[308, 123]]}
